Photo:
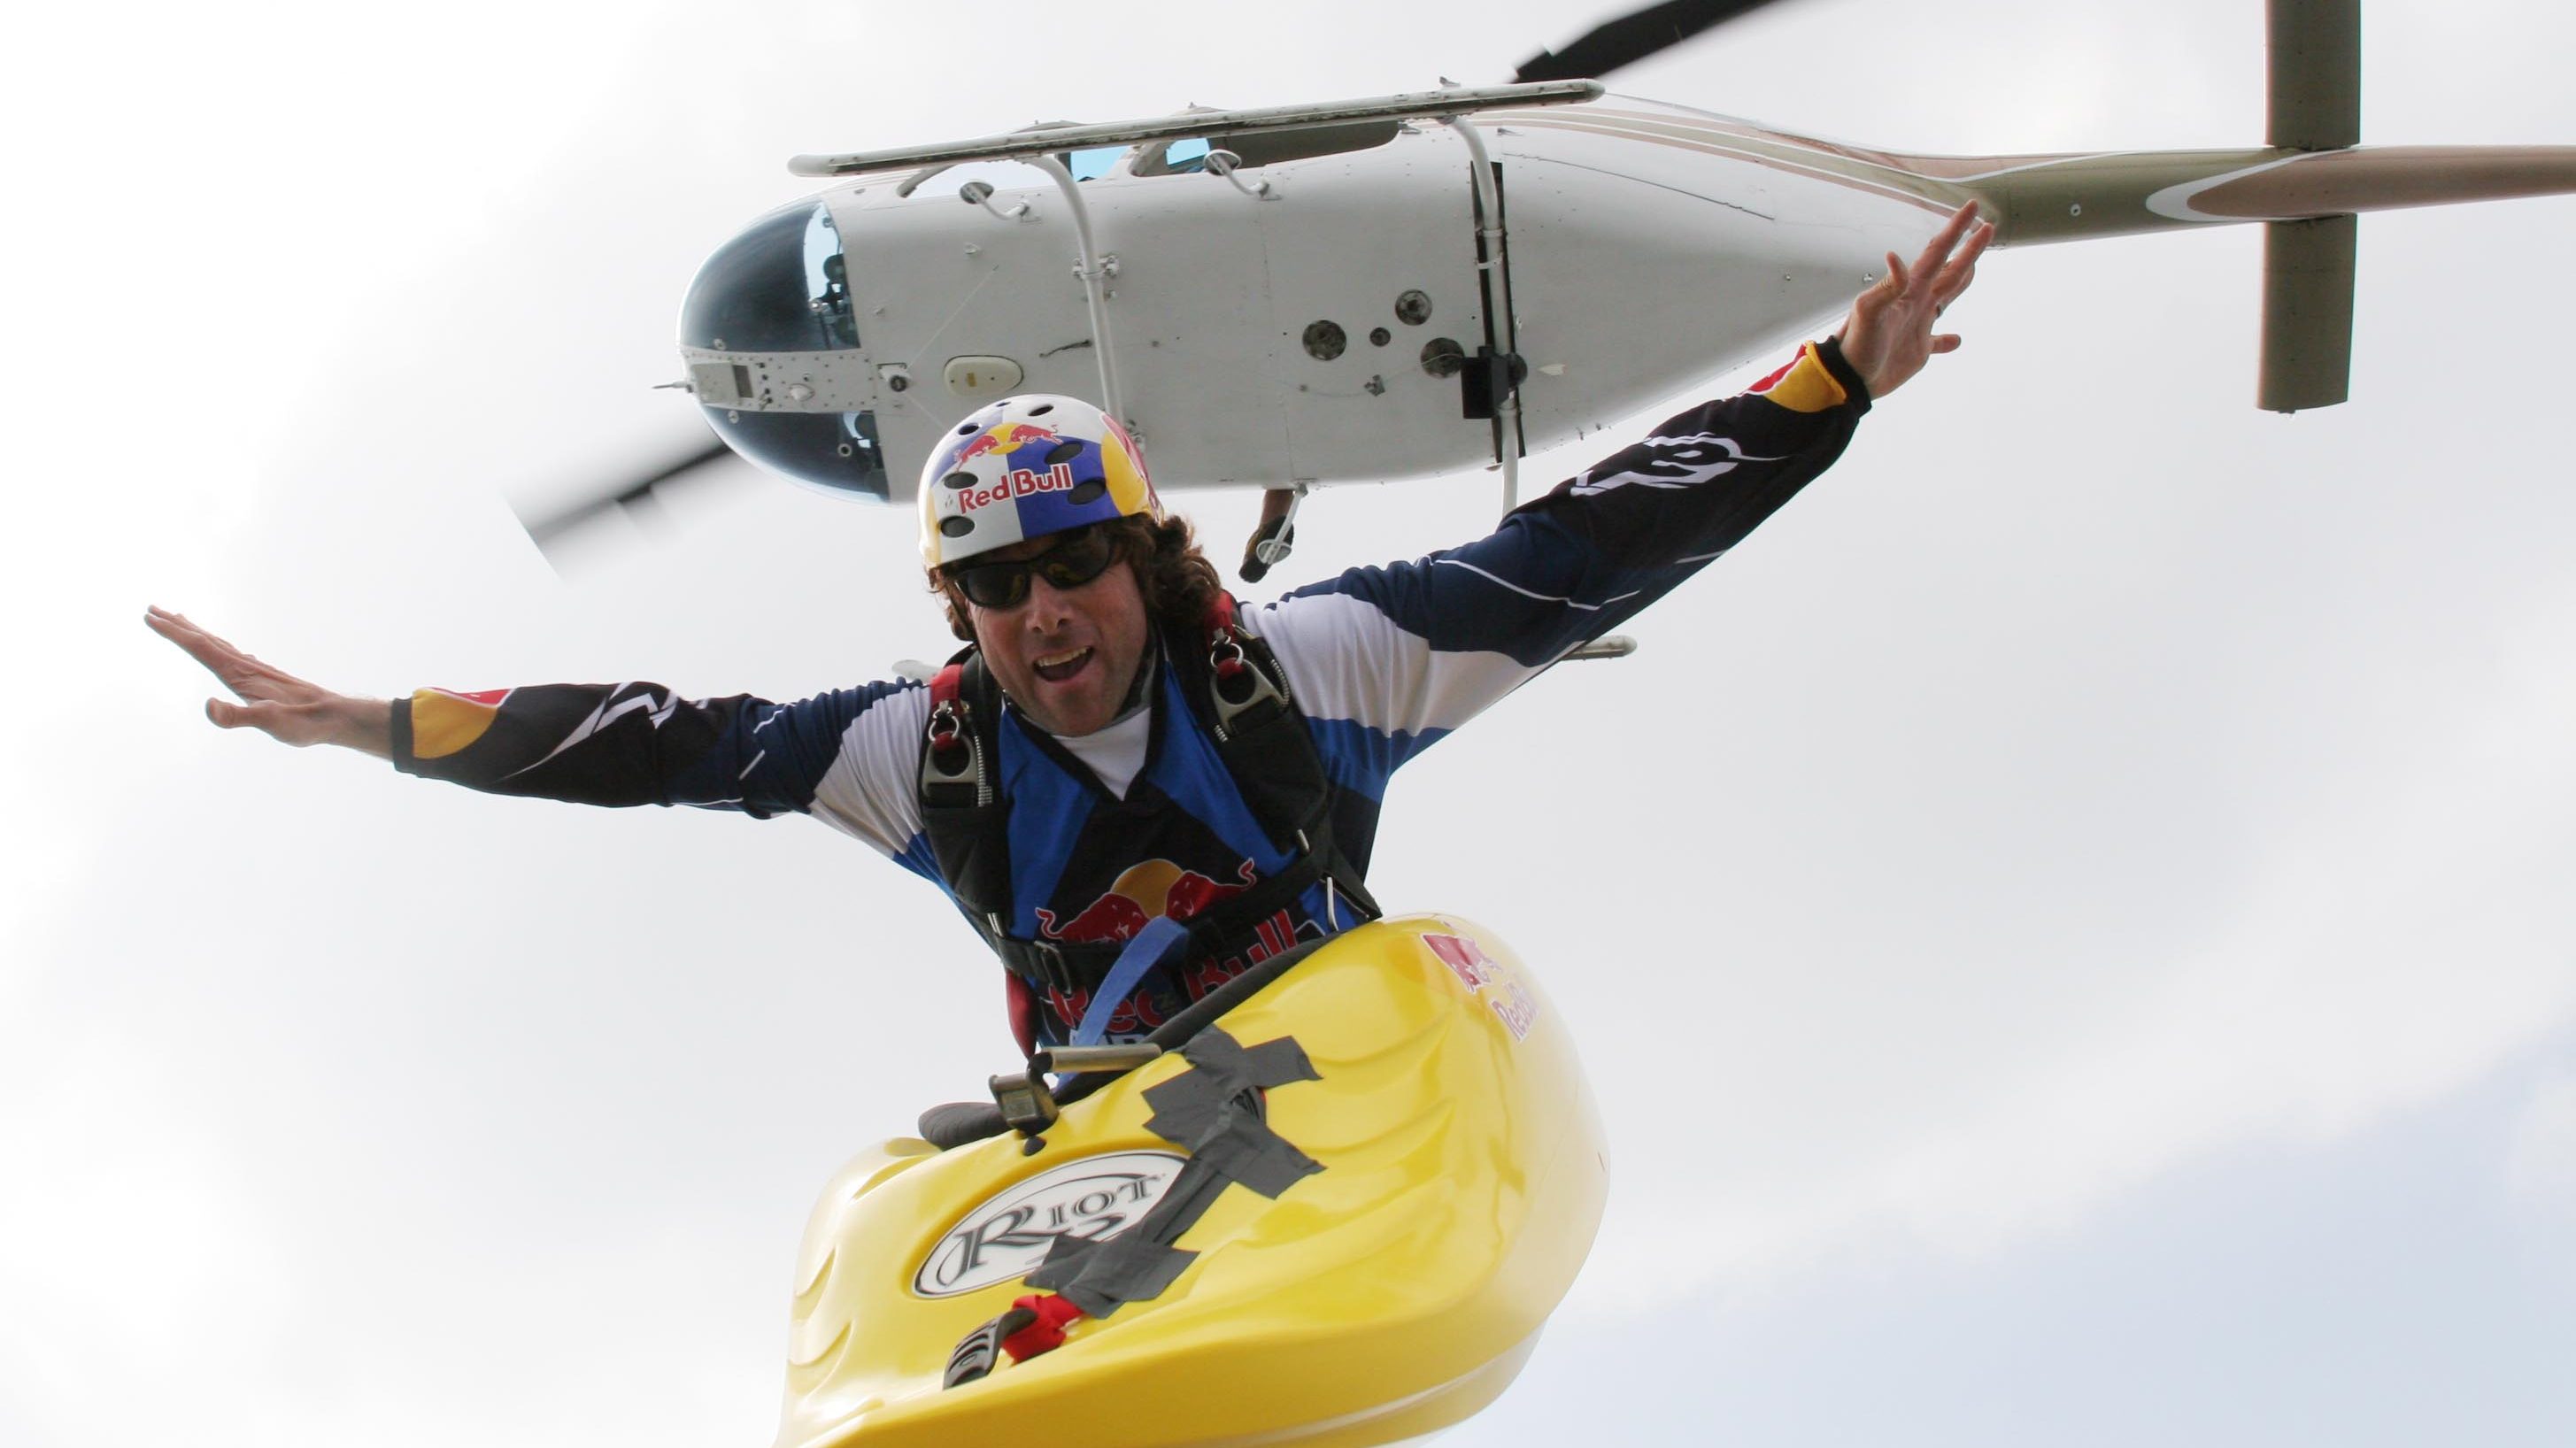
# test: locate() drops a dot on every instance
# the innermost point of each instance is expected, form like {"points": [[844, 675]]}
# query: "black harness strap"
{"points": [[963, 810], [1236, 687]]}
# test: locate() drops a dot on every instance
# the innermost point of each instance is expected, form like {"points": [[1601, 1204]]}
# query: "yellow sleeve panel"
{"points": [[444, 722], [1805, 385]]}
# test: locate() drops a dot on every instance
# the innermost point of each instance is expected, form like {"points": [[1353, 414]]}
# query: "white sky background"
{"points": [[2081, 954]]}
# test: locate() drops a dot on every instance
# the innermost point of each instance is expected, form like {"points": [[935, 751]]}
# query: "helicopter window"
{"points": [[1173, 158], [1096, 162], [866, 453], [827, 280], [782, 285], [1264, 148], [835, 453]]}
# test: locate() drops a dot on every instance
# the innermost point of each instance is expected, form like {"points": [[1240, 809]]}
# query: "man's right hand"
{"points": [[275, 702]]}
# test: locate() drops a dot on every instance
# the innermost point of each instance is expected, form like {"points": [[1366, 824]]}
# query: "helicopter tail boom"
{"points": [[2308, 202], [2077, 198], [2306, 184], [2307, 199]]}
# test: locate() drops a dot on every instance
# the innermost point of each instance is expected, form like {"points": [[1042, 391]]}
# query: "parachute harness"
{"points": [[1265, 746]]}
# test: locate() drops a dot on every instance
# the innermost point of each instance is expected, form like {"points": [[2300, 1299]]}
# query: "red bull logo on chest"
{"points": [[1143, 893], [1140, 894]]}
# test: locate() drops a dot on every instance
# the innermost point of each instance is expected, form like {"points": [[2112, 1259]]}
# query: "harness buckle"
{"points": [[952, 757], [1055, 973], [949, 747], [1237, 684]]}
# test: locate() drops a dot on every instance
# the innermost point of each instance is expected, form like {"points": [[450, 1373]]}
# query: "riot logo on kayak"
{"points": [[1091, 1200]]}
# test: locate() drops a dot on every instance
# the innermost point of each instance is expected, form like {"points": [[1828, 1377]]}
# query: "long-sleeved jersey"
{"points": [[1113, 830]]}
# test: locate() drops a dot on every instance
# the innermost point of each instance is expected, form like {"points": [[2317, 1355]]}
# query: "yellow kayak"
{"points": [[1337, 1215]]}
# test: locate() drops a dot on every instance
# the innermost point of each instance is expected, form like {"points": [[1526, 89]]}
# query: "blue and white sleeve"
{"points": [[843, 757]]}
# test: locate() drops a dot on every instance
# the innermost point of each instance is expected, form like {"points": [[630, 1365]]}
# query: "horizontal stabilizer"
{"points": [[2042, 199]]}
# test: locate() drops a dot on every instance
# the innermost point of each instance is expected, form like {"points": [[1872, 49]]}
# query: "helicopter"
{"points": [[1412, 285]]}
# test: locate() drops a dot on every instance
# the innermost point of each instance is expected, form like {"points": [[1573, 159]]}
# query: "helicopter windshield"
{"points": [[774, 304], [781, 286]]}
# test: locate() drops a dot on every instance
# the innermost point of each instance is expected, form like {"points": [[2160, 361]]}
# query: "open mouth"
{"points": [[1056, 668]]}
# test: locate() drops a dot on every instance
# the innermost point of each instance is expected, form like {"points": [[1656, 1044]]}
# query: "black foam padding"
{"points": [[961, 1123]]}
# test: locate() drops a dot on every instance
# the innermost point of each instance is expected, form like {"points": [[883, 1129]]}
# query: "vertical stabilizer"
{"points": [[2315, 102], [2307, 313]]}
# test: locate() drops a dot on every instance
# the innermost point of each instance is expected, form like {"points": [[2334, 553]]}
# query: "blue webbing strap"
{"points": [[1141, 955]]}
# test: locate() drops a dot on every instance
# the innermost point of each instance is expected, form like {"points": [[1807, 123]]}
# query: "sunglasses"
{"points": [[1079, 556]]}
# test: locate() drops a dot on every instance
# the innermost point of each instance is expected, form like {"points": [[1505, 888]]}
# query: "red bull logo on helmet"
{"points": [[1006, 439], [1017, 483]]}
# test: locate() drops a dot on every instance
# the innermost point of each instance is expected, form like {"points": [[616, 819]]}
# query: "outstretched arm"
{"points": [[845, 756], [275, 702]]}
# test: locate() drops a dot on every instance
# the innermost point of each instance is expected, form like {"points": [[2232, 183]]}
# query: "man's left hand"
{"points": [[1888, 336]]}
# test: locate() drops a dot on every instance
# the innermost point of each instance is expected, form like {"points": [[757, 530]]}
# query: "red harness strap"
{"points": [[946, 684], [1022, 1004]]}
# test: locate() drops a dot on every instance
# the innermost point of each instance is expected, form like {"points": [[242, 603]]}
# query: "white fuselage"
{"points": [[1641, 259]]}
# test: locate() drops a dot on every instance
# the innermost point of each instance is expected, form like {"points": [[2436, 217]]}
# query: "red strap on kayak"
{"points": [[1045, 1333]]}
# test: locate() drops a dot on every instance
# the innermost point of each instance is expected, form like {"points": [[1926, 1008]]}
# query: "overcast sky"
{"points": [[2088, 959]]}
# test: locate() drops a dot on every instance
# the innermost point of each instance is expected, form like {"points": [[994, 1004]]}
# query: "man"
{"points": [[1130, 793]]}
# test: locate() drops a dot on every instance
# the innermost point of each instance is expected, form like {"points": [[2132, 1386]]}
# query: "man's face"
{"points": [[1066, 656]]}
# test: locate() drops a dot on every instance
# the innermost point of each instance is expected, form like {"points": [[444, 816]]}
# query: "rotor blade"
{"points": [[546, 530], [1631, 38]]}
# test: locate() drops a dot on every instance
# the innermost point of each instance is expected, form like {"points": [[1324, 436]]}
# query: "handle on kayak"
{"points": [[1028, 1103]]}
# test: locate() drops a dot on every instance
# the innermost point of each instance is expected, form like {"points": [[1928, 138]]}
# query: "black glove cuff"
{"points": [[1830, 352]]}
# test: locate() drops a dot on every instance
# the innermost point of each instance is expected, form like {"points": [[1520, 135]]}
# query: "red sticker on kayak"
{"points": [[1465, 959]]}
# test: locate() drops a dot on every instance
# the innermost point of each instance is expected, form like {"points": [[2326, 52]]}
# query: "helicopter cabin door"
{"points": [[1378, 303]]}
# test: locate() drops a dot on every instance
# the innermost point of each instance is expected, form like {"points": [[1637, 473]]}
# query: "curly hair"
{"points": [[1177, 580]]}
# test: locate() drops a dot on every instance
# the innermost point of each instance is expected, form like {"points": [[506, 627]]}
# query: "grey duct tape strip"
{"points": [[1139, 1263], [1214, 1112], [1102, 1277]]}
